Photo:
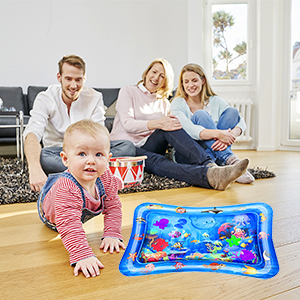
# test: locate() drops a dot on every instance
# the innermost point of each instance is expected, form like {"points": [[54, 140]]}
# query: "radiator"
{"points": [[244, 106]]}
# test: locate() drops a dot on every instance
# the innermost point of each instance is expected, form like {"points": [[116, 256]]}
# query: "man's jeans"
{"points": [[52, 163]]}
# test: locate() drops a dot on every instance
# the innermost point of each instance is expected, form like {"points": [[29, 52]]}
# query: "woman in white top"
{"points": [[143, 117], [207, 118]]}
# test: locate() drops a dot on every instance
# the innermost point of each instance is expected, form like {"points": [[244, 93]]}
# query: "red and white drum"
{"points": [[129, 169]]}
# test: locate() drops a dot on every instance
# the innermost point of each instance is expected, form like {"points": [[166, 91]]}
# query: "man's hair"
{"points": [[72, 60], [88, 127]]}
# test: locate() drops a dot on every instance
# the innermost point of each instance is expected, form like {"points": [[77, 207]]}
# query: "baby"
{"points": [[86, 189]]}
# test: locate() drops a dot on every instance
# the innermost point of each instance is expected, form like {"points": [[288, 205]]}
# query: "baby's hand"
{"points": [[112, 244], [89, 267]]}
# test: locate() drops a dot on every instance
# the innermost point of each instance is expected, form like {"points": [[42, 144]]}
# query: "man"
{"points": [[53, 111]]}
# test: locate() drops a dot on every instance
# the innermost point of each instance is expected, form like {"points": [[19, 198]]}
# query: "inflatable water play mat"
{"points": [[230, 239]]}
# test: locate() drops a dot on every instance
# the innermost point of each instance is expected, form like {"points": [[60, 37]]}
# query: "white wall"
{"points": [[117, 38]]}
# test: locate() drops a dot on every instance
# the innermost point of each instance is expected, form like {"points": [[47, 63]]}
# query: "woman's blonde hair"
{"points": [[166, 89], [206, 91]]}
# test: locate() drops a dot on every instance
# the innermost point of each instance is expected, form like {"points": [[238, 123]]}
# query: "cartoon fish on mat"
{"points": [[140, 220], [195, 241], [138, 238], [213, 211], [249, 270], [179, 265], [262, 217], [177, 245], [175, 234]]}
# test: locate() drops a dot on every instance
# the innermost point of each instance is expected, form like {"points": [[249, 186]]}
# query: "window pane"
{"points": [[229, 42], [295, 87]]}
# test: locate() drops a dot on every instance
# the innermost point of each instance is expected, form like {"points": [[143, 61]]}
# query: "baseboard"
{"points": [[266, 148], [8, 150]]}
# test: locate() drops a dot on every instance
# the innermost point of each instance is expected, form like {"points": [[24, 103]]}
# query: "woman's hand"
{"points": [[226, 137], [218, 146], [167, 123]]}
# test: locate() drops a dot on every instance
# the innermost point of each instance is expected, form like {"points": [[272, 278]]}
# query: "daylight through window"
{"points": [[229, 49]]}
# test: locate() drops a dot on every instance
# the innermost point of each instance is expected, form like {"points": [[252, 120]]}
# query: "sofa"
{"points": [[13, 99]]}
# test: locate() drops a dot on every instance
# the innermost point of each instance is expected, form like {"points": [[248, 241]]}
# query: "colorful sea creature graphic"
{"points": [[263, 235], [132, 256], [179, 265], [205, 234], [186, 234], [241, 220], [214, 266], [140, 220], [180, 210], [203, 222], [262, 217], [159, 244], [147, 257], [213, 248], [175, 234], [214, 211], [238, 232], [138, 238], [177, 245], [148, 269], [249, 270], [233, 241], [195, 241], [224, 230], [154, 206], [246, 255], [181, 223], [162, 223]]}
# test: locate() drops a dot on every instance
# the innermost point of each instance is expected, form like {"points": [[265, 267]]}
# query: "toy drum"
{"points": [[129, 169]]}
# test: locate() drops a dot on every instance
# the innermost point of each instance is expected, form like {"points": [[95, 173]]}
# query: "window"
{"points": [[230, 41], [229, 36]]}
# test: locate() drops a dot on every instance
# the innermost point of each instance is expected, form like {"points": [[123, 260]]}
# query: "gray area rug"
{"points": [[14, 186]]}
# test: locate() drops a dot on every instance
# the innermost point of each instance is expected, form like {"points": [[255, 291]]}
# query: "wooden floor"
{"points": [[34, 263]]}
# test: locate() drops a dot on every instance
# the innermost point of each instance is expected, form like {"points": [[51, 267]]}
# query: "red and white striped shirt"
{"points": [[63, 207]]}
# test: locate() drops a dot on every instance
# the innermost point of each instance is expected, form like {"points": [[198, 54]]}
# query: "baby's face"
{"points": [[86, 157]]}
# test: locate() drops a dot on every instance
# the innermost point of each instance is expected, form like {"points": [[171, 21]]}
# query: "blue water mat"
{"points": [[230, 239]]}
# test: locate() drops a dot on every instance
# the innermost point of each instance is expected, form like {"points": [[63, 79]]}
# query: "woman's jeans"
{"points": [[193, 171], [51, 161], [228, 119]]}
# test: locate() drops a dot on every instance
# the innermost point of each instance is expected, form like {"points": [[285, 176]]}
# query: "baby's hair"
{"points": [[86, 126]]}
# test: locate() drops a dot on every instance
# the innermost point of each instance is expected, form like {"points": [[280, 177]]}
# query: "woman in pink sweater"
{"points": [[143, 117]]}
